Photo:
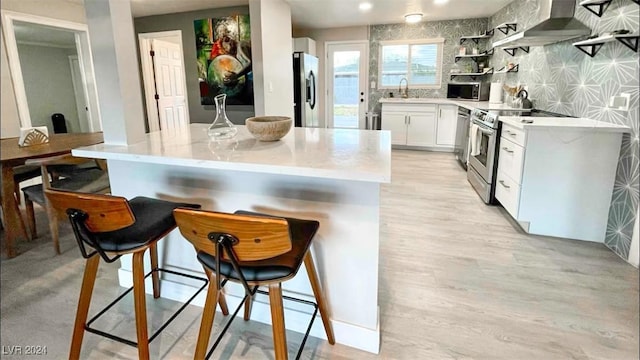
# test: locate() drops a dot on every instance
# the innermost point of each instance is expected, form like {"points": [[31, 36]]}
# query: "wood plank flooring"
{"points": [[458, 280]]}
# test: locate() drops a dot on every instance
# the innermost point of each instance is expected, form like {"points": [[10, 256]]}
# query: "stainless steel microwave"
{"points": [[476, 91]]}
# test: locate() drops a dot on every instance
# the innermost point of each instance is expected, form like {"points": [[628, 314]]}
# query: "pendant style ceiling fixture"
{"points": [[413, 18]]}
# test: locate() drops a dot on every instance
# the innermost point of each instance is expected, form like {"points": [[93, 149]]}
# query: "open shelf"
{"points": [[472, 75], [476, 38], [592, 46], [474, 57], [505, 70], [598, 7], [512, 50], [506, 27]]}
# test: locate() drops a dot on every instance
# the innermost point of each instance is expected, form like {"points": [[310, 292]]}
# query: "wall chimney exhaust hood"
{"points": [[557, 25]]}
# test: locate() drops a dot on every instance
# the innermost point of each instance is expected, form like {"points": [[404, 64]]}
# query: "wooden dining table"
{"points": [[13, 155]]}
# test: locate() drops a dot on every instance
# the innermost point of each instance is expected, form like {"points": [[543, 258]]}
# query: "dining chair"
{"points": [[89, 180], [254, 250]]}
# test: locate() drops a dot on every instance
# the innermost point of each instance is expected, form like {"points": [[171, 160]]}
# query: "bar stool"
{"points": [[85, 179], [108, 227], [254, 250]]}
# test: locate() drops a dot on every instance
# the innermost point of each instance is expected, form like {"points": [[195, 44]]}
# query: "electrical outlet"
{"points": [[620, 102]]}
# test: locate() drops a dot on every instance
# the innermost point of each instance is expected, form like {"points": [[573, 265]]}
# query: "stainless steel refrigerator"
{"points": [[305, 86]]}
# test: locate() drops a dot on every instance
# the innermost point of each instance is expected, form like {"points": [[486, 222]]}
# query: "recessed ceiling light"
{"points": [[440, 2], [365, 6], [413, 18]]}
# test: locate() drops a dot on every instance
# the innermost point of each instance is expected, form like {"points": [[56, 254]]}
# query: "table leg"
{"points": [[13, 220]]}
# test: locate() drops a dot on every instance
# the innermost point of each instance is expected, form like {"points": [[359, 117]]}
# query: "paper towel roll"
{"points": [[495, 94]]}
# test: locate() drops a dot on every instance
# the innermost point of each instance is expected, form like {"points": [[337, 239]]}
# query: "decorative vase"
{"points": [[221, 128]]}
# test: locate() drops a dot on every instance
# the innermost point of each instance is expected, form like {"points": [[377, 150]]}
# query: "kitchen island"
{"points": [[331, 175]]}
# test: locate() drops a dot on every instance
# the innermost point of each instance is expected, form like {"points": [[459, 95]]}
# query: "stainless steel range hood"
{"points": [[557, 25]]}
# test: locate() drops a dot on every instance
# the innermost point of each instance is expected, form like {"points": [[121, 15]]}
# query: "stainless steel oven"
{"points": [[482, 157]]}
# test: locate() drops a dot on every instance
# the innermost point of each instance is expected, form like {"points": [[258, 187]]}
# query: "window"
{"points": [[419, 61]]}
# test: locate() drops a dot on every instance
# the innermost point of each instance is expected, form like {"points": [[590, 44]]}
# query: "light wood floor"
{"points": [[458, 280]]}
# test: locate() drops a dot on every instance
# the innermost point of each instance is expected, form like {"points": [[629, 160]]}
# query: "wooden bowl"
{"points": [[268, 128]]}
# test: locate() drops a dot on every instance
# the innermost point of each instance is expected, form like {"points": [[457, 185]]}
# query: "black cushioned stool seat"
{"points": [[254, 250], [107, 227]]}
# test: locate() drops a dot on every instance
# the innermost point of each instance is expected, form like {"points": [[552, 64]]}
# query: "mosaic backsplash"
{"points": [[450, 30], [563, 79]]}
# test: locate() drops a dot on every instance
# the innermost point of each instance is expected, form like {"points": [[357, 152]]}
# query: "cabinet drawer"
{"points": [[508, 193], [513, 134], [511, 159]]}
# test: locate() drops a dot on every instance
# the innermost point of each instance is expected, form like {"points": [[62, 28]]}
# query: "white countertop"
{"points": [[343, 154], [563, 123], [485, 105]]}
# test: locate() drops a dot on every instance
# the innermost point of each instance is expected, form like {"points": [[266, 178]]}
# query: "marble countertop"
{"points": [[562, 123], [343, 154], [485, 105]]}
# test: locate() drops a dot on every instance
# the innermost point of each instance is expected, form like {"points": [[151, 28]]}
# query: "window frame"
{"points": [[431, 41]]}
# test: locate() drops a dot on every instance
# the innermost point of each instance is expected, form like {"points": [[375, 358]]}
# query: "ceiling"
{"points": [[339, 13]]}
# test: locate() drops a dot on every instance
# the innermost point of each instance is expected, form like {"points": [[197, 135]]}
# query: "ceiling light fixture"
{"points": [[365, 6], [440, 2], [413, 18]]}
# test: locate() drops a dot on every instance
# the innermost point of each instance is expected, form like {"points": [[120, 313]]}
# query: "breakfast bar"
{"points": [[330, 175]]}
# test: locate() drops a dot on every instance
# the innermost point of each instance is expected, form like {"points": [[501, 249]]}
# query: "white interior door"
{"points": [[80, 94], [170, 85], [346, 84]]}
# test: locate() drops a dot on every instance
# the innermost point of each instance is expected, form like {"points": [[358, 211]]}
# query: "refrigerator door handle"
{"points": [[311, 89]]}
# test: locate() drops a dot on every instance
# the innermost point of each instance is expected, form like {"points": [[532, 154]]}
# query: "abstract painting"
{"points": [[223, 49]]}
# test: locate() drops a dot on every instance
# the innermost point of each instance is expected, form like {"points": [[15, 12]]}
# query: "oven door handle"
{"points": [[485, 131]]}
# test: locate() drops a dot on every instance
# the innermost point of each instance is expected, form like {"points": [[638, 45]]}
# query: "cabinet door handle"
{"points": [[507, 150], [440, 116], [503, 184], [405, 119], [409, 117]]}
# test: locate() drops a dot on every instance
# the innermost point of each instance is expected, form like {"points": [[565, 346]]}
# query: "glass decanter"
{"points": [[221, 128]]}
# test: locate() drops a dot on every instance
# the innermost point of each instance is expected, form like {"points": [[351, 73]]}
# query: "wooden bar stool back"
{"points": [[254, 250], [108, 227]]}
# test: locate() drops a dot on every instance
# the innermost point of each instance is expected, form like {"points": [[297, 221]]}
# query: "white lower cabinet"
{"points": [[446, 127], [558, 182], [420, 129], [429, 126]]}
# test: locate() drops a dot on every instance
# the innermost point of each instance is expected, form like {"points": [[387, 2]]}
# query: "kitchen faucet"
{"points": [[404, 93]]}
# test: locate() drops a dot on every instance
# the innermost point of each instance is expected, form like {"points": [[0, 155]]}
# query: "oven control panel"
{"points": [[486, 117]]}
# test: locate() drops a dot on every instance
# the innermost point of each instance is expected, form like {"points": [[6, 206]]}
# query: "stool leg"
{"points": [[208, 315], [155, 276], [140, 305], [88, 280], [31, 218], [317, 292], [222, 300], [247, 308], [277, 320]]}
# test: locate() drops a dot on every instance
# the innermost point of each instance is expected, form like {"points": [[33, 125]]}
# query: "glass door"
{"points": [[347, 78]]}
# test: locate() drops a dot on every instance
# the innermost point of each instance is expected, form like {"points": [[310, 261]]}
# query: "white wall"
{"points": [[272, 57], [321, 36], [9, 121], [115, 59], [634, 250], [57, 9], [47, 80]]}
